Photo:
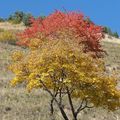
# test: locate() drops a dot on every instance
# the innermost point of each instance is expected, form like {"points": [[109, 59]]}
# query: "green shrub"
{"points": [[16, 18], [109, 32], [26, 19], [116, 35], [2, 20], [19, 17]]}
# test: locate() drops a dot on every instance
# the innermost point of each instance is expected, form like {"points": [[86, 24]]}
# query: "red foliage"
{"points": [[90, 33]]}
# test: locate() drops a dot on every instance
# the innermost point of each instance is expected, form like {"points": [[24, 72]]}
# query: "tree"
{"points": [[16, 18], [116, 35], [19, 17], [26, 19], [2, 20], [87, 32], [105, 29], [62, 69], [109, 32]]}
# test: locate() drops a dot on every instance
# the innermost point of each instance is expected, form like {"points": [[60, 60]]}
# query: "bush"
{"points": [[2, 20], [109, 32], [19, 17], [26, 19], [16, 18], [8, 36], [116, 35]]}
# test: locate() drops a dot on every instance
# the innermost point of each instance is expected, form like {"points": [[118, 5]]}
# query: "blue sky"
{"points": [[102, 12]]}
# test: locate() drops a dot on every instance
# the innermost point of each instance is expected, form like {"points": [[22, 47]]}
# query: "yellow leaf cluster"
{"points": [[8, 36], [17, 55], [59, 65]]}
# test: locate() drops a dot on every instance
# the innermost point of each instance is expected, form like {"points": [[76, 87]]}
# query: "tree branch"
{"points": [[60, 107], [60, 97], [82, 108], [71, 103], [51, 104], [79, 108]]}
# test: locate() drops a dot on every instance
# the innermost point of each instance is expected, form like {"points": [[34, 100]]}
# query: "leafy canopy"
{"points": [[60, 65], [83, 29]]}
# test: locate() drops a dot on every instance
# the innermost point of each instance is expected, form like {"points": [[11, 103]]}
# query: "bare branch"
{"points": [[79, 108], [60, 107], [51, 104], [71, 103]]}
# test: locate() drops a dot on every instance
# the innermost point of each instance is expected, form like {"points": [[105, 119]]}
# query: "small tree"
{"points": [[109, 32], [105, 29], [19, 17], [2, 20], [62, 69], [16, 18], [26, 19], [116, 35]]}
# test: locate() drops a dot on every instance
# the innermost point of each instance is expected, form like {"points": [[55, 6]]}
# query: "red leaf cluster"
{"points": [[89, 33]]}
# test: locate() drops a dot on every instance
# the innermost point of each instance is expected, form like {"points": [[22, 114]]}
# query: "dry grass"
{"points": [[9, 26], [18, 104]]}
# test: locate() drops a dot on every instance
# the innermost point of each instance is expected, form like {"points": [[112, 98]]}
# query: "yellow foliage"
{"points": [[17, 55], [8, 36], [59, 64]]}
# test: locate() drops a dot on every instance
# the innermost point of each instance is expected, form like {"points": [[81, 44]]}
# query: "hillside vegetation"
{"points": [[45, 42]]}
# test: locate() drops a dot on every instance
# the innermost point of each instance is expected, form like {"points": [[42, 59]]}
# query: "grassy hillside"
{"points": [[9, 26], [18, 104], [113, 57]]}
